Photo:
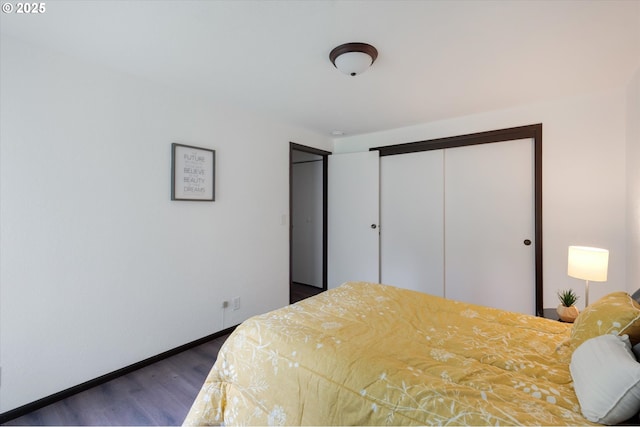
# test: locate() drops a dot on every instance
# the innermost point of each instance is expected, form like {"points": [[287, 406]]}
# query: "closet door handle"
{"points": [[527, 242], [374, 226]]}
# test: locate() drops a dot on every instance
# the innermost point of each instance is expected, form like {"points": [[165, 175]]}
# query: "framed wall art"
{"points": [[192, 173]]}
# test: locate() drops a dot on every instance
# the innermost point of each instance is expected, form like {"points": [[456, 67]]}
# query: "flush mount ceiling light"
{"points": [[353, 58]]}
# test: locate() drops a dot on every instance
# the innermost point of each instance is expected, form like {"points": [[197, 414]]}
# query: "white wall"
{"points": [[98, 268], [633, 183], [583, 177]]}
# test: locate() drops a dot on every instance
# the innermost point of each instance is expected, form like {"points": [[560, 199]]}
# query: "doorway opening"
{"points": [[307, 221]]}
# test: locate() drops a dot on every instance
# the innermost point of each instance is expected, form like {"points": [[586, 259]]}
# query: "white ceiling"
{"points": [[437, 59]]}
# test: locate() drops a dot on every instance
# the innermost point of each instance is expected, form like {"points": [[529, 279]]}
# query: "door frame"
{"points": [[521, 132], [325, 172]]}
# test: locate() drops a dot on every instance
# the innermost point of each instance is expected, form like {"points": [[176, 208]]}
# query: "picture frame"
{"points": [[192, 173]]}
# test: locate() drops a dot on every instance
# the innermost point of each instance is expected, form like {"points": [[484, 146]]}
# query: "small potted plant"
{"points": [[567, 309]]}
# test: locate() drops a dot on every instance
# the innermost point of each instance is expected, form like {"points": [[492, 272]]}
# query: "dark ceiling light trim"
{"points": [[351, 48]]}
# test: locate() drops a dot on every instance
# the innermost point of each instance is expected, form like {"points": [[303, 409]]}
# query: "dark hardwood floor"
{"points": [[300, 292], [159, 394]]}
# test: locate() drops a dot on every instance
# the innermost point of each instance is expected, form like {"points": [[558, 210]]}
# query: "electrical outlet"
{"points": [[236, 303]]}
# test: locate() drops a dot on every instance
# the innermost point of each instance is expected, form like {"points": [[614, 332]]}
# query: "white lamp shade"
{"points": [[353, 63], [588, 263]]}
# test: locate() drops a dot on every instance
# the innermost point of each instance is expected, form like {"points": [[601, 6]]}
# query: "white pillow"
{"points": [[606, 379]]}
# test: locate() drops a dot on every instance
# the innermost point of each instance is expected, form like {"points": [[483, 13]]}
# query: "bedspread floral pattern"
{"points": [[366, 354]]}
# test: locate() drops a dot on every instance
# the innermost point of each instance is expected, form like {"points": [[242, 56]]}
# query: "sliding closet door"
{"points": [[353, 218], [489, 225], [411, 215]]}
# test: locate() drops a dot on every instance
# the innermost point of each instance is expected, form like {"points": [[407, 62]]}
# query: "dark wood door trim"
{"points": [[325, 172], [509, 134]]}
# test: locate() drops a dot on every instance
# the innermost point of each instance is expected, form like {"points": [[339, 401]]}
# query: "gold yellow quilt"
{"points": [[366, 354]]}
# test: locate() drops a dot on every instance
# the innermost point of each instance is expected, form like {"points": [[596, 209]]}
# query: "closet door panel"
{"points": [[489, 205], [411, 216]]}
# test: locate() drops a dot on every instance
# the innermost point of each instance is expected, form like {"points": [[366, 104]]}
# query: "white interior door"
{"points": [[353, 218], [411, 214], [489, 205]]}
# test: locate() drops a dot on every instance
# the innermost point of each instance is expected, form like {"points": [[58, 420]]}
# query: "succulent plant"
{"points": [[567, 297]]}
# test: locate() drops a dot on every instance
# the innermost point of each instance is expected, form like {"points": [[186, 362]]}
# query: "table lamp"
{"points": [[588, 264]]}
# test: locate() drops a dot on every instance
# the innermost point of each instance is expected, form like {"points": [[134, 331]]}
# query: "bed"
{"points": [[372, 354]]}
